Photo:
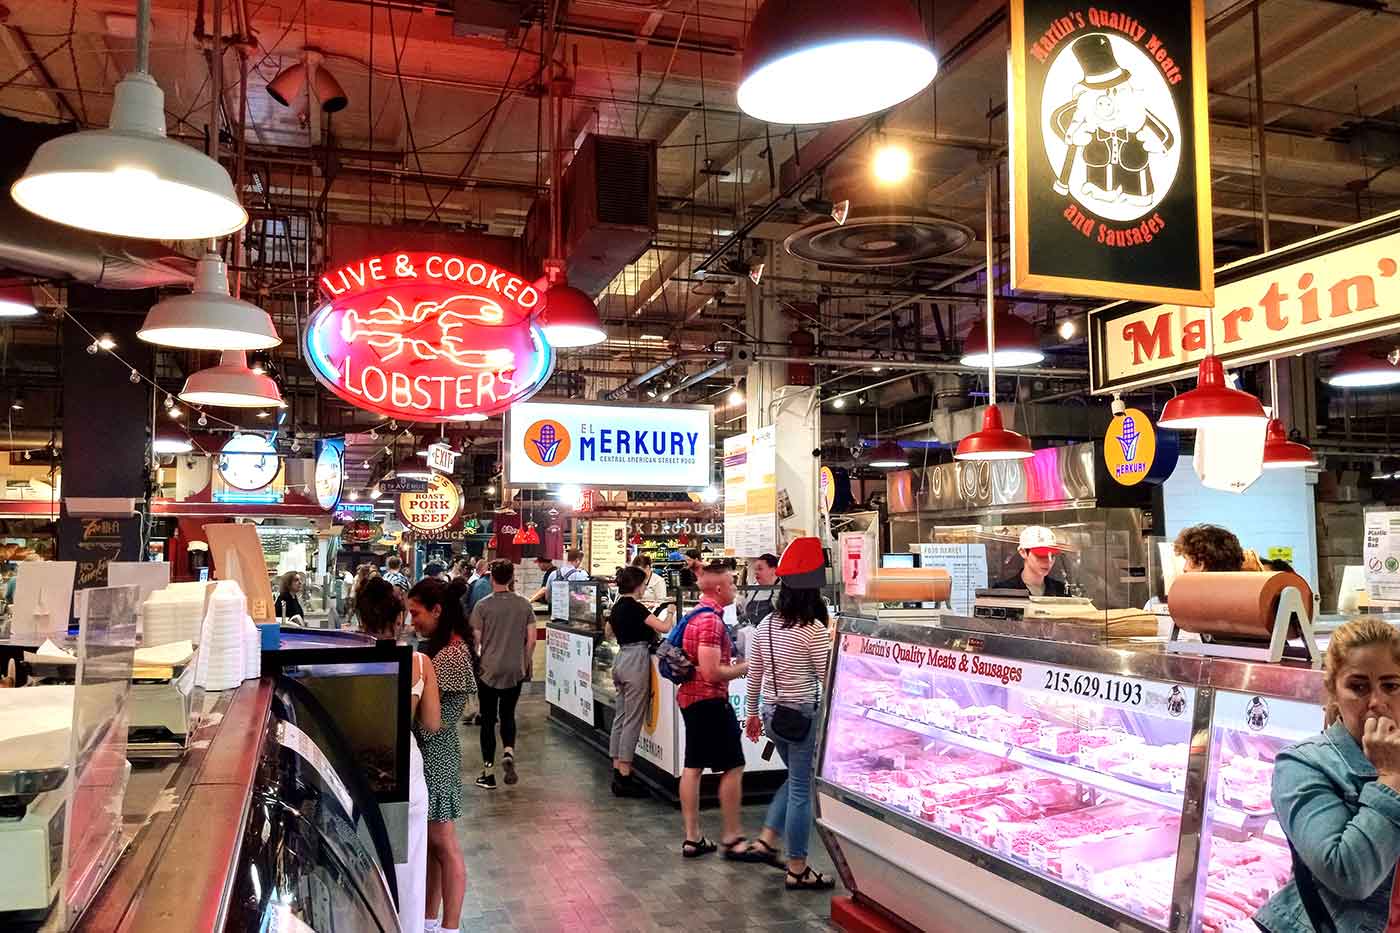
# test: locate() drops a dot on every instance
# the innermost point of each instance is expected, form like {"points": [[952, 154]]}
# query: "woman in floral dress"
{"points": [[436, 610]]}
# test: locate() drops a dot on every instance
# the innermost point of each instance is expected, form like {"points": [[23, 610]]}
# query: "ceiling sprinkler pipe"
{"points": [[701, 376]]}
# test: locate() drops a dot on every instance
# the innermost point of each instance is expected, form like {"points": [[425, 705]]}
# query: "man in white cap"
{"points": [[1037, 549]]}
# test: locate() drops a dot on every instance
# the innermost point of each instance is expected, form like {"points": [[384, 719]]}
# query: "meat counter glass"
{"points": [[1022, 784]]}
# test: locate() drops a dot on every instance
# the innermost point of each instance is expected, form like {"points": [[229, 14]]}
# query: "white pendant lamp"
{"points": [[17, 301], [813, 61], [129, 180], [209, 318], [231, 384]]}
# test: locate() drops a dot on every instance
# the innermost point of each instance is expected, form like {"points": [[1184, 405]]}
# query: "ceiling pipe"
{"points": [[916, 366], [701, 376], [664, 366]]}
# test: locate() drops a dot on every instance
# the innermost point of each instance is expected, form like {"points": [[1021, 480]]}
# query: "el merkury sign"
{"points": [[609, 446], [1332, 289]]}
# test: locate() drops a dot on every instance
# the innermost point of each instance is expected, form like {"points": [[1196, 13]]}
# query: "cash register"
{"points": [[1015, 605]]}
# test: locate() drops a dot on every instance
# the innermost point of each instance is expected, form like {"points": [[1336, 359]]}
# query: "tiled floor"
{"points": [[558, 852]]}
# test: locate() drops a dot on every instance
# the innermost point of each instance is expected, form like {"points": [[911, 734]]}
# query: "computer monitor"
{"points": [[897, 560]]}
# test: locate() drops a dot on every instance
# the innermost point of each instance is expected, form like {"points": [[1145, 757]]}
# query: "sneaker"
{"points": [[508, 766], [487, 780]]}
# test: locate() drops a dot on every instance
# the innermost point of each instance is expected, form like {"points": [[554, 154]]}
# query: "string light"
{"points": [[169, 403], [203, 419], [92, 348], [135, 377], [105, 342], [174, 412]]}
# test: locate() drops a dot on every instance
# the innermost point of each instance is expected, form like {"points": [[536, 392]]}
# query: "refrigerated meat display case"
{"points": [[988, 782]]}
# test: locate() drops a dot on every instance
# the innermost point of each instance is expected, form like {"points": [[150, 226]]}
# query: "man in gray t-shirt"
{"points": [[503, 625]]}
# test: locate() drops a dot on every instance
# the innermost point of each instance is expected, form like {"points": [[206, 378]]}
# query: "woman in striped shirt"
{"points": [[788, 656]]}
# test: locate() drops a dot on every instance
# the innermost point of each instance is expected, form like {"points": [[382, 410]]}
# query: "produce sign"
{"points": [[1324, 291], [428, 337], [1110, 167], [435, 509], [1131, 693]]}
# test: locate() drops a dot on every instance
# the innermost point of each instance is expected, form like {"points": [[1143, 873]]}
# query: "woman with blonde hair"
{"points": [[1337, 795]]}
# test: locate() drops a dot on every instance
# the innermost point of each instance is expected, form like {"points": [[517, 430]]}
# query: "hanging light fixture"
{"points": [[1211, 403], [993, 442], [129, 179], [1017, 344], [209, 318], [888, 455], [170, 439], [288, 85], [1367, 365], [569, 318], [231, 384], [17, 301], [1280, 453], [810, 61]]}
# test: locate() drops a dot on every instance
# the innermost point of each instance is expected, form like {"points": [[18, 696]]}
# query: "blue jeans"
{"points": [[790, 813]]}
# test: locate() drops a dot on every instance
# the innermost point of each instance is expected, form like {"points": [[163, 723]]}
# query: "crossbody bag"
{"points": [[788, 723]]}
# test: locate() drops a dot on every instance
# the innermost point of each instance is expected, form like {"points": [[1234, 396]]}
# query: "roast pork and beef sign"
{"points": [[1110, 164], [428, 337], [1336, 288]]}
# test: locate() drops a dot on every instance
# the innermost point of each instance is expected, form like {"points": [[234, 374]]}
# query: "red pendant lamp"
{"points": [[1017, 343], [888, 455], [1364, 365], [993, 442], [1280, 453], [1211, 403]]}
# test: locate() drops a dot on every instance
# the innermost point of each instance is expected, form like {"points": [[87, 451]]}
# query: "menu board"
{"points": [[607, 546], [751, 493], [568, 681], [966, 564]]}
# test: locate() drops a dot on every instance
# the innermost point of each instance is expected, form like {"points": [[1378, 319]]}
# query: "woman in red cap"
{"points": [[787, 663]]}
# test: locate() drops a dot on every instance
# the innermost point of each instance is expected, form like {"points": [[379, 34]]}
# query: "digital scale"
{"points": [[1015, 605], [32, 807]]}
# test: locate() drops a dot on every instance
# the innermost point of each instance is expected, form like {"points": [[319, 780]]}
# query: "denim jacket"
{"points": [[1344, 825]]}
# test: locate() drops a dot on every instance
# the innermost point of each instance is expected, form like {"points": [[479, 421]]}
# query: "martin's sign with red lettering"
{"points": [[428, 337], [1332, 289], [1110, 164]]}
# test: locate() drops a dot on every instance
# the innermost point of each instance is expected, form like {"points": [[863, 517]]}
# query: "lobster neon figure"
{"points": [[405, 343]]}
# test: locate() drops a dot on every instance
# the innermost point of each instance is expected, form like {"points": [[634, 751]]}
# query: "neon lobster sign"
{"points": [[428, 337]]}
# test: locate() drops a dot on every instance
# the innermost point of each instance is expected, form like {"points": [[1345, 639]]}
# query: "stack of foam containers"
{"points": [[223, 650], [173, 614]]}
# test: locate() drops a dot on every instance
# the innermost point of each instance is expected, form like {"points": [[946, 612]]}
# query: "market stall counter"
{"points": [[985, 781], [580, 650]]}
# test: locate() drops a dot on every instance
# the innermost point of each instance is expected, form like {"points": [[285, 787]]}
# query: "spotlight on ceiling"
{"points": [[892, 164]]}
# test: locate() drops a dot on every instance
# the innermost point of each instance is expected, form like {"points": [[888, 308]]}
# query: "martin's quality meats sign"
{"points": [[428, 337], [1335, 288], [1110, 164]]}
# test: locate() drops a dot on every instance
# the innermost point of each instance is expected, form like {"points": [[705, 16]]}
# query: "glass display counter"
{"points": [[1044, 785]]}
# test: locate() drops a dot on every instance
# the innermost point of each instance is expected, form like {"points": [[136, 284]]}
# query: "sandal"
{"points": [[696, 849], [736, 851], [809, 880], [769, 855]]}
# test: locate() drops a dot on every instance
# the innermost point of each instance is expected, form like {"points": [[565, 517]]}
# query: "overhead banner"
{"points": [[1110, 163], [1335, 288], [751, 493], [609, 446], [428, 337]]}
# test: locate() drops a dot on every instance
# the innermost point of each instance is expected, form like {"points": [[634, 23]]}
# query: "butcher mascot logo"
{"points": [[1111, 130], [1256, 716]]}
